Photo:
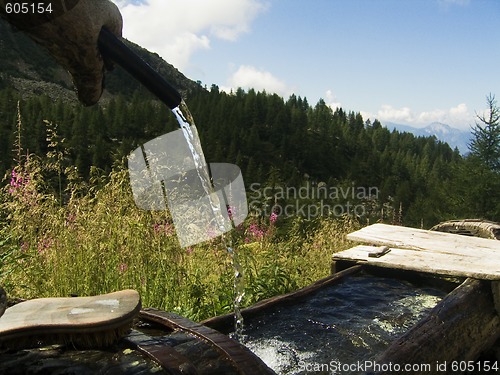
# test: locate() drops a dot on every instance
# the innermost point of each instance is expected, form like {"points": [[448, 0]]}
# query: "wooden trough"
{"points": [[466, 323], [464, 326]]}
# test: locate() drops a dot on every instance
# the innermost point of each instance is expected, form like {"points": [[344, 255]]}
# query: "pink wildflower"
{"points": [[70, 220], [122, 267], [273, 217], [24, 246], [212, 232], [231, 211], [16, 181], [255, 231]]}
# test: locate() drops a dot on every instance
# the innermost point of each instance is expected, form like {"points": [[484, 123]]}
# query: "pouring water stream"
{"points": [[115, 50], [186, 123]]}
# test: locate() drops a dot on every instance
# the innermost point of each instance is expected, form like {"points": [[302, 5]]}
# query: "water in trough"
{"points": [[340, 327]]}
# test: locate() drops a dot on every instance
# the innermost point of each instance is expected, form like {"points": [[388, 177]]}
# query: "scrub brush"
{"points": [[83, 322]]}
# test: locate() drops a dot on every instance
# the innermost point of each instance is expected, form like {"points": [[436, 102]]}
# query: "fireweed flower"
{"points": [[255, 232], [211, 232], [24, 246], [70, 220], [17, 181], [122, 267], [273, 217], [230, 212]]}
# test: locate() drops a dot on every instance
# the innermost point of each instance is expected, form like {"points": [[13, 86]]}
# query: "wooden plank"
{"points": [[459, 328], [470, 227], [419, 239], [469, 265]]}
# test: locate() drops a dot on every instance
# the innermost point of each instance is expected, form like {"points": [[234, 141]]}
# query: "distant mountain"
{"points": [[445, 133]]}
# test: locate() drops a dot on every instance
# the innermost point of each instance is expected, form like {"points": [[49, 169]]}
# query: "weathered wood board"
{"points": [[426, 251], [423, 261], [470, 227], [419, 239]]}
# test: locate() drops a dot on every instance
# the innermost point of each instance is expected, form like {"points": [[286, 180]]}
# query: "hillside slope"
{"points": [[31, 70]]}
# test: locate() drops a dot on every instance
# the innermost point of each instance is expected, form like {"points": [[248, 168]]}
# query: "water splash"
{"points": [[284, 357]]}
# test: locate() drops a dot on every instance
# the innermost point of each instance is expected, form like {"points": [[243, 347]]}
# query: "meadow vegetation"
{"points": [[61, 235]]}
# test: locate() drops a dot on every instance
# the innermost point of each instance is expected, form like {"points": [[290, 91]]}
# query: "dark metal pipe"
{"points": [[112, 48]]}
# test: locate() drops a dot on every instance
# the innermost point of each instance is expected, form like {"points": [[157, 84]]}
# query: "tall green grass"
{"points": [[90, 238]]}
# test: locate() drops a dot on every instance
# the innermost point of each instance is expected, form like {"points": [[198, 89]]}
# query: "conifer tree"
{"points": [[485, 144]]}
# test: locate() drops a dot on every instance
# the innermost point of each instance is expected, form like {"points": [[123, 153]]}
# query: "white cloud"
{"points": [[389, 113], [331, 100], [458, 116], [427, 117], [175, 29], [248, 77]]}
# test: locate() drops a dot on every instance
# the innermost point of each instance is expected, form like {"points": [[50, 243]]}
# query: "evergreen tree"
{"points": [[485, 144]]}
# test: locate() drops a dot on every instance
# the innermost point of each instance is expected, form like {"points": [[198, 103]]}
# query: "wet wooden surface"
{"points": [[162, 343]]}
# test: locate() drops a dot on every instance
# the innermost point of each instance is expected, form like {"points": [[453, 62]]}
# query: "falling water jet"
{"points": [[116, 51], [239, 293], [186, 123]]}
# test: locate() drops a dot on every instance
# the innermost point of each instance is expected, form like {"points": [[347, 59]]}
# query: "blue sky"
{"points": [[403, 61]]}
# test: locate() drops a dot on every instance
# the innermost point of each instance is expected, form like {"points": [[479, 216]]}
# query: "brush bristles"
{"points": [[3, 301], [80, 340]]}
